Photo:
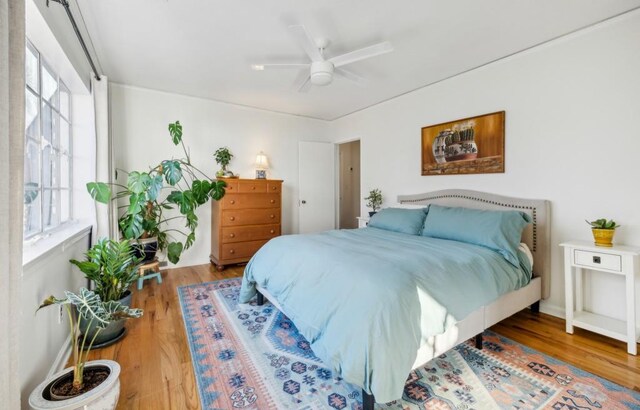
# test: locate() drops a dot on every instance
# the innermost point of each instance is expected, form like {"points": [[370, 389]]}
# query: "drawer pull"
{"points": [[273, 201], [232, 202], [233, 218], [272, 231], [273, 188], [272, 216], [596, 259], [232, 251], [253, 187], [232, 235]]}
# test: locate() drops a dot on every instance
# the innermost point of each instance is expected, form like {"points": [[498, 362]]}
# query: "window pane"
{"points": [[50, 168], [31, 212], [50, 124], [64, 137], [64, 171], [51, 209], [65, 101], [32, 164], [31, 67], [49, 86], [65, 205], [32, 118]]}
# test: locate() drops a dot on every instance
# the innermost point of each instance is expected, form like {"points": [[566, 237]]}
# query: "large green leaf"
{"points": [[172, 171], [89, 306], [131, 226], [201, 191], [99, 191], [191, 238], [217, 190], [138, 182], [136, 202], [173, 252], [155, 186], [115, 310], [175, 130], [182, 199]]}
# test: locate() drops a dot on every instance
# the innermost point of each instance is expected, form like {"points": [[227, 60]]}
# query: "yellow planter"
{"points": [[603, 237]]}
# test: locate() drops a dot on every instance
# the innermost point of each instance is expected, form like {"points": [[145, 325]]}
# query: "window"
{"points": [[48, 146]]}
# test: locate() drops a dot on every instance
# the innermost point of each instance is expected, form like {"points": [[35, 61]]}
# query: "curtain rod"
{"points": [[65, 4]]}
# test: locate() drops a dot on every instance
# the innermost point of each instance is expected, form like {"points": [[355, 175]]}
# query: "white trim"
{"points": [[60, 239], [552, 310], [60, 362]]}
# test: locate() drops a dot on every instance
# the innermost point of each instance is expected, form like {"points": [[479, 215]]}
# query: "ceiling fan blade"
{"points": [[305, 86], [261, 67], [351, 76], [306, 41], [357, 55]]}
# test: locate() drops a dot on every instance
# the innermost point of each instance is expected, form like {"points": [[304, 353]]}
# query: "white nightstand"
{"points": [[617, 260], [363, 221]]}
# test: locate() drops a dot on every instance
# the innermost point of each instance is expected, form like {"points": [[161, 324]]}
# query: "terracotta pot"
{"points": [[104, 396], [603, 237]]}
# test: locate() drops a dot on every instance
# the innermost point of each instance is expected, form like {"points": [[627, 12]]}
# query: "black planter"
{"points": [[145, 249], [371, 213]]}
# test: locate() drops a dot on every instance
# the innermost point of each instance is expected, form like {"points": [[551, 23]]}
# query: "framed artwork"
{"points": [[472, 145]]}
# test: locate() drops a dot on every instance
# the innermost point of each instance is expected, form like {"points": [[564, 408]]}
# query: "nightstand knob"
{"points": [[232, 235], [273, 201], [253, 187], [232, 202], [272, 216], [232, 251], [596, 259], [272, 231], [233, 218]]}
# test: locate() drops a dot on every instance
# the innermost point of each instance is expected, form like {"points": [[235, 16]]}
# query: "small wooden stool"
{"points": [[153, 266]]}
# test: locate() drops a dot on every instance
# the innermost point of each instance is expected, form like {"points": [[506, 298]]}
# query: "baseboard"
{"points": [[60, 363], [552, 310]]}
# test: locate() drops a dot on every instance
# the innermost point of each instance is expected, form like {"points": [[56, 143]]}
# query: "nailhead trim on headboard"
{"points": [[532, 208]]}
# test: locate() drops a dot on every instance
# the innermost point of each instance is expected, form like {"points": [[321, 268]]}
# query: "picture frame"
{"points": [[473, 145]]}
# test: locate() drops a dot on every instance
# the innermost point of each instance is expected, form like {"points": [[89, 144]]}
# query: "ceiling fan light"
{"points": [[321, 78]]}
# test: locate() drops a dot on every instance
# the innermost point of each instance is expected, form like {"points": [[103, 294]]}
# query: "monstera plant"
{"points": [[146, 210]]}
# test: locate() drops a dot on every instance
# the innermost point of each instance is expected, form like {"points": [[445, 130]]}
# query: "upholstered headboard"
{"points": [[536, 235]]}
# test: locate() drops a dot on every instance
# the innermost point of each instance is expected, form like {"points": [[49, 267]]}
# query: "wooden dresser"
{"points": [[244, 219]]}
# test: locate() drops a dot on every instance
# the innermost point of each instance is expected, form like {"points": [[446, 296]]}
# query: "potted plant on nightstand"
{"points": [[85, 385], [112, 267], [603, 231], [223, 157], [374, 201], [144, 220]]}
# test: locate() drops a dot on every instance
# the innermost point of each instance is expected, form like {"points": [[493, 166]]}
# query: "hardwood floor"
{"points": [[156, 363]]}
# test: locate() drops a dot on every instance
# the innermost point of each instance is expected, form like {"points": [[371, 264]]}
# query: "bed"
{"points": [[356, 294]]}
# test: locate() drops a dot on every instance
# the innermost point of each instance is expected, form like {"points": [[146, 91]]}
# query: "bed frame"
{"points": [[536, 236]]}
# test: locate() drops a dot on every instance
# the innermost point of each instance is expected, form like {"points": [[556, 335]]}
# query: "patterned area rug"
{"points": [[248, 356]]}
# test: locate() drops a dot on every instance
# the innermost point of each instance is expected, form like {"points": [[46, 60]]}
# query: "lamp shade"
{"points": [[261, 161]]}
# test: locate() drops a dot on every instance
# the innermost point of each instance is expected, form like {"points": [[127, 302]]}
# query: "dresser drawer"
{"points": [[274, 187], [235, 217], [251, 187], [240, 250], [232, 186], [249, 233], [590, 259], [244, 201]]}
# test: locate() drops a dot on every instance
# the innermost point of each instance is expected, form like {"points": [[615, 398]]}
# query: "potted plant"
{"points": [[112, 267], [223, 157], [603, 231], [146, 213], [85, 385], [374, 201]]}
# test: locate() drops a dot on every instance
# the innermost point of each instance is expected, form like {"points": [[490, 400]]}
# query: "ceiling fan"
{"points": [[321, 70]]}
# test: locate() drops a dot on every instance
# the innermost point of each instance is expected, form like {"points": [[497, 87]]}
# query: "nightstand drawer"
{"points": [[598, 260]]}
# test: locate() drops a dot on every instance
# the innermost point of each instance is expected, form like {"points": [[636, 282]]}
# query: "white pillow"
{"points": [[524, 248]]}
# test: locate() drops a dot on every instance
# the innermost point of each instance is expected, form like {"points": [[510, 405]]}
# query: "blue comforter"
{"points": [[368, 299]]}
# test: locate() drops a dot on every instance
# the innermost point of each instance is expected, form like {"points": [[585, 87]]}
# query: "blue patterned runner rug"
{"points": [[252, 357]]}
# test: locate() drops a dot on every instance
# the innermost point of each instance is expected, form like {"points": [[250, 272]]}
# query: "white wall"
{"points": [[572, 137], [139, 120]]}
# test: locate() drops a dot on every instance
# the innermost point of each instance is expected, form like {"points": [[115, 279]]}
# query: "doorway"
{"points": [[349, 190]]}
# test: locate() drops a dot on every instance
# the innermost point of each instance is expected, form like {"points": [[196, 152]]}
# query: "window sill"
{"points": [[62, 238]]}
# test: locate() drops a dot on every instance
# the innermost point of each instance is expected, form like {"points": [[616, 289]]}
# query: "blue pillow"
{"points": [[401, 220], [500, 231]]}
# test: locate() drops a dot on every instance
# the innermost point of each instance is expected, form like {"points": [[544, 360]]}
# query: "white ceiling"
{"points": [[205, 48]]}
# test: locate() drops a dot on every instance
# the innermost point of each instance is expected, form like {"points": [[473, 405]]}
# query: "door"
{"points": [[316, 202], [349, 169]]}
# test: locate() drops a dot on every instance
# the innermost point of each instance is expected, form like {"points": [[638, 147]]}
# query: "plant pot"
{"points": [[603, 237], [371, 213], [145, 248], [113, 330], [103, 396]]}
